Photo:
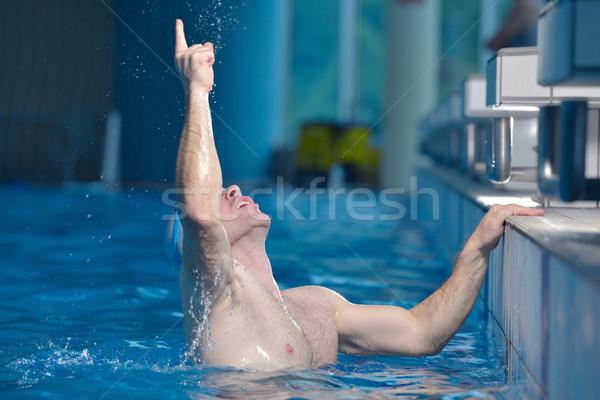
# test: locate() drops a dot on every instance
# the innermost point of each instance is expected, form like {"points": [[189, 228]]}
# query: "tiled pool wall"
{"points": [[543, 314]]}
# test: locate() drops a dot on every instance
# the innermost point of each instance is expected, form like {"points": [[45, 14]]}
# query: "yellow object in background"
{"points": [[353, 146], [355, 152], [322, 144], [315, 147]]}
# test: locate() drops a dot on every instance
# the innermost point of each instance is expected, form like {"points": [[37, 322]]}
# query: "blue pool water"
{"points": [[90, 308]]}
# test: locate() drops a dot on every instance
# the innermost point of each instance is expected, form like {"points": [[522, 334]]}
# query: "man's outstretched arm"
{"points": [[206, 250], [427, 327], [444, 312]]}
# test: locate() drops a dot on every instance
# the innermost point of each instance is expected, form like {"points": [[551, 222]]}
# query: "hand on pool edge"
{"points": [[490, 229], [443, 313]]}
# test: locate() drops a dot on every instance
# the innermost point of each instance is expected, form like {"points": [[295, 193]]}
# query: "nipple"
{"points": [[289, 349]]}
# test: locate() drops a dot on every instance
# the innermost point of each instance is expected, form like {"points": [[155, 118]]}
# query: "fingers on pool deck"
{"points": [[514, 209], [520, 210]]}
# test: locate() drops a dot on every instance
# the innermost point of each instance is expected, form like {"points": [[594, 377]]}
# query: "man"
{"points": [[236, 315]]}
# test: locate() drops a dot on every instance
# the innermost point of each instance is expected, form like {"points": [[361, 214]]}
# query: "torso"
{"points": [[252, 329], [246, 329]]}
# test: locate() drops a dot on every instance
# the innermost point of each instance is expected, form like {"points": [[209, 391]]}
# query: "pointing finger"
{"points": [[180, 43]]}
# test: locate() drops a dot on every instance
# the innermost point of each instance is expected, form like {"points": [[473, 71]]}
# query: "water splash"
{"points": [[200, 307], [215, 20], [199, 310], [52, 361]]}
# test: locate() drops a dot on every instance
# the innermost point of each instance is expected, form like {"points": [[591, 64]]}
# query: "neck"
{"points": [[254, 257]]}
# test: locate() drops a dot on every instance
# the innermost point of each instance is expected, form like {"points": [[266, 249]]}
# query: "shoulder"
{"points": [[312, 290], [314, 294]]}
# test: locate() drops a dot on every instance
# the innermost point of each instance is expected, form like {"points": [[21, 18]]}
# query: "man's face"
{"points": [[240, 215]]}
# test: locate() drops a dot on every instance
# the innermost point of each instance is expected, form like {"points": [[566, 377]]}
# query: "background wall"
{"points": [[56, 86], [67, 63]]}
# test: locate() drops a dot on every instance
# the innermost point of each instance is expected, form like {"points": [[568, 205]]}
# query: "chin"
{"points": [[262, 219], [246, 222], [258, 215]]}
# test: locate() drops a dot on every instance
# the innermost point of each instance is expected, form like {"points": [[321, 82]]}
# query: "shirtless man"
{"points": [[235, 314]]}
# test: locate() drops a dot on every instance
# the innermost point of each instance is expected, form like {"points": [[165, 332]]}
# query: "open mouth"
{"points": [[242, 204]]}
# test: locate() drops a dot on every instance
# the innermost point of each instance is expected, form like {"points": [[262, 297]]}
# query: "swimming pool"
{"points": [[91, 310]]}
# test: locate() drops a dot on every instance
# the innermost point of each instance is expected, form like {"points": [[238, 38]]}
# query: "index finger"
{"points": [[180, 43]]}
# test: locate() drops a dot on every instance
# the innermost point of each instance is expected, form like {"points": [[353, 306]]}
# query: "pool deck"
{"points": [[542, 290], [570, 234]]}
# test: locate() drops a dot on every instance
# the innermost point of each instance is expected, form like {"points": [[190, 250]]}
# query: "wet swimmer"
{"points": [[234, 313]]}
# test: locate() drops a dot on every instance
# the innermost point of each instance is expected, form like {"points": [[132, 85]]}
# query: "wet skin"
{"points": [[234, 312]]}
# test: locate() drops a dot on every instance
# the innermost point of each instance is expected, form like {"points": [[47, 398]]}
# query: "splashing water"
{"points": [[215, 19], [199, 310], [200, 305]]}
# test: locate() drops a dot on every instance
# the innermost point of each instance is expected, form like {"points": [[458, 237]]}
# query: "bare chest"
{"points": [[318, 324], [254, 331]]}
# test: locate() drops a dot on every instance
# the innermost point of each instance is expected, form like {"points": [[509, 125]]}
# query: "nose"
{"points": [[232, 191]]}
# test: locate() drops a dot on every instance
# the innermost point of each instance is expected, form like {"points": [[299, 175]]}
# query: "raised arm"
{"points": [[426, 328], [206, 250]]}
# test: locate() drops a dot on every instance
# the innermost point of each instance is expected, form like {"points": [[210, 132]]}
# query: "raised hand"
{"points": [[194, 63], [490, 229]]}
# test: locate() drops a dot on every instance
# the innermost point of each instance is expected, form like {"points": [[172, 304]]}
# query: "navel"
{"points": [[289, 349]]}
